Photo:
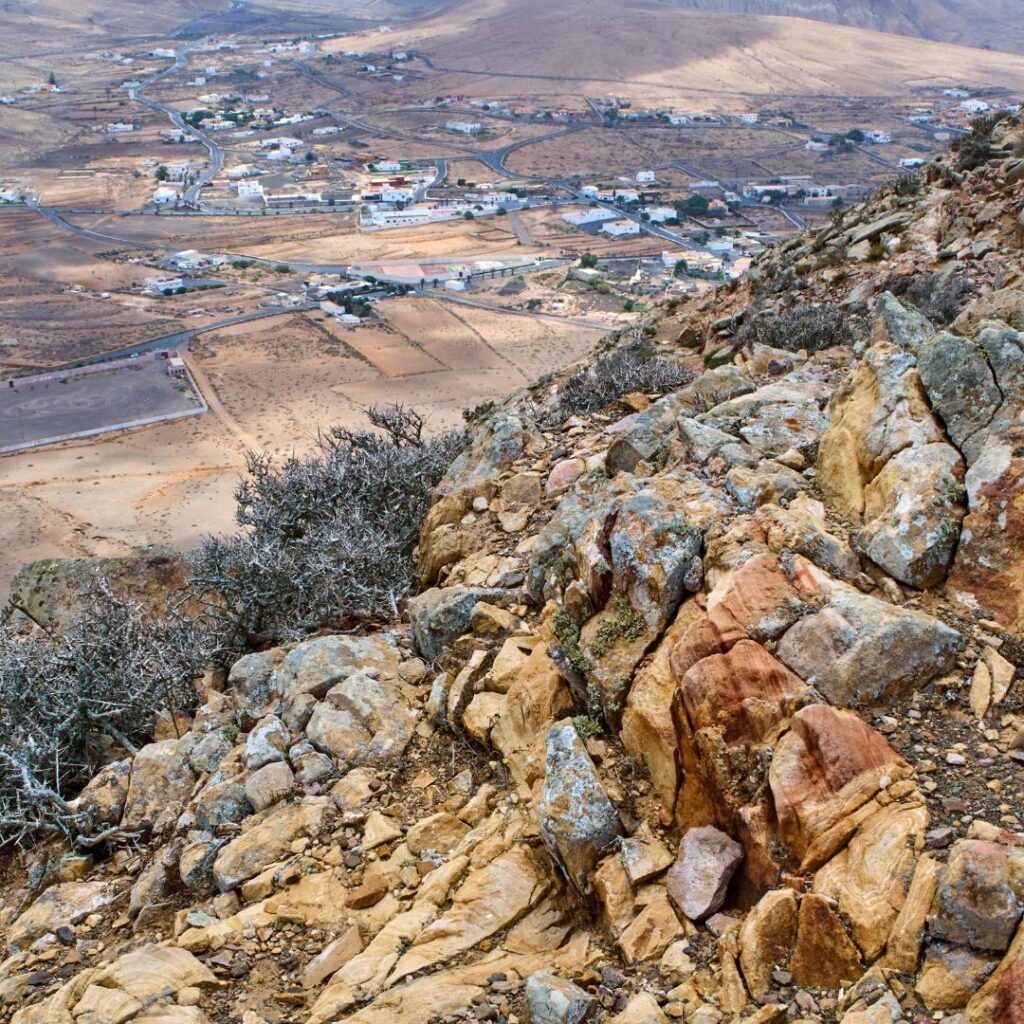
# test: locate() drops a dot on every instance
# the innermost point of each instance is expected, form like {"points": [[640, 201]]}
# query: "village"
{"points": [[218, 185]]}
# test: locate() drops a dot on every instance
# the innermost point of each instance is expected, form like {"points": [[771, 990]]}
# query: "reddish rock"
{"points": [[564, 474], [745, 694], [1009, 1001], [757, 602], [827, 766], [729, 709], [706, 862]]}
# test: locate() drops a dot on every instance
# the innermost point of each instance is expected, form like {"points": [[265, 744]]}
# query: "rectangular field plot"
{"points": [[59, 407]]}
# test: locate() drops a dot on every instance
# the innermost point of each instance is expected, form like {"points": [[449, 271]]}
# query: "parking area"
{"points": [[84, 403]]}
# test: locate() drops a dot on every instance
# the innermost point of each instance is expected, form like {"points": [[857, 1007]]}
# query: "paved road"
{"points": [[191, 194], [166, 342]]}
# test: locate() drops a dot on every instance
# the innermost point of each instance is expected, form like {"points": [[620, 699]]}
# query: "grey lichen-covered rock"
{"points": [[161, 783], [913, 510], [221, 802], [788, 413], [252, 679], [980, 899], [961, 388], [268, 741], [553, 1000], [363, 720], [210, 750], [858, 649], [315, 666], [652, 436], [902, 325], [577, 819], [438, 616]]}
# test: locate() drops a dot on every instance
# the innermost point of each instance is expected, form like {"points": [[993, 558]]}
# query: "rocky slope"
{"points": [[707, 710]]}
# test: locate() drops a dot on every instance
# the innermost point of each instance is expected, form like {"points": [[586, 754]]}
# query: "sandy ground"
{"points": [[279, 382]]}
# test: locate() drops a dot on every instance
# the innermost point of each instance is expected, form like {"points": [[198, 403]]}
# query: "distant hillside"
{"points": [[654, 49], [993, 24]]}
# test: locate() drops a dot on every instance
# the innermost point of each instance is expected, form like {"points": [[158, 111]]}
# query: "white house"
{"points": [[164, 284], [464, 127], [307, 48], [678, 120], [816, 147], [387, 165], [617, 228], [497, 198], [644, 176], [959, 94], [165, 196], [878, 138], [120, 127], [388, 194], [589, 191], [619, 195], [660, 214], [912, 161], [329, 129], [249, 189], [748, 118], [592, 215], [974, 106]]}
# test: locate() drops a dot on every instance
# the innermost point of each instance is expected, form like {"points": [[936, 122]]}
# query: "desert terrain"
{"points": [[505, 113], [275, 387]]}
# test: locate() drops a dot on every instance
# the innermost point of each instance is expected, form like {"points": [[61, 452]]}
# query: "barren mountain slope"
{"points": [[657, 49], [998, 25]]}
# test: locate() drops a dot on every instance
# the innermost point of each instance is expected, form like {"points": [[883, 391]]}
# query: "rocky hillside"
{"points": [[707, 709]]}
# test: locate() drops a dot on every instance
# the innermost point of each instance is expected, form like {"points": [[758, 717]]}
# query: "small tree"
{"points": [[161, 173], [588, 259], [52, 79]]}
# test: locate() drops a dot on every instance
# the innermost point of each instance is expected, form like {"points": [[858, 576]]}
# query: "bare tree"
{"points": [[66, 697]]}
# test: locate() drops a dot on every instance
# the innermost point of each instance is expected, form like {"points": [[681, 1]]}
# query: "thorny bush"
{"points": [[65, 698], [327, 538], [812, 328], [622, 371]]}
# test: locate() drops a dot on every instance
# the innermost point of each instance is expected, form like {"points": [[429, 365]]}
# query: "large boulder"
{"points": [[577, 819], [161, 783], [912, 514], [885, 462], [859, 650], [438, 616], [363, 720], [977, 387]]}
